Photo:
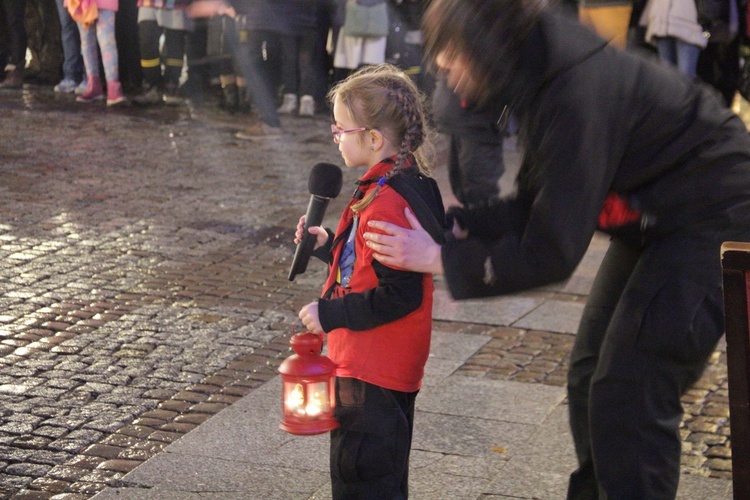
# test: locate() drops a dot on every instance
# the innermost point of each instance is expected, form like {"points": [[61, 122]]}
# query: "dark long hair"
{"points": [[487, 32]]}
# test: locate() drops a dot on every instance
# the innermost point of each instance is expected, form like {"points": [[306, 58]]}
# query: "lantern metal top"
{"points": [[304, 343]]}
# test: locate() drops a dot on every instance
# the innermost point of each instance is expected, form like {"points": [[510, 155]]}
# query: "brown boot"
{"points": [[13, 79]]}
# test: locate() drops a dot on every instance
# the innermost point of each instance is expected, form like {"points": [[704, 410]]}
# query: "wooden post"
{"points": [[735, 263]]}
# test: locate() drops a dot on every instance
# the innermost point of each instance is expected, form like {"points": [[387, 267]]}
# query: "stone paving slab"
{"points": [[553, 316], [503, 310], [542, 467], [235, 450]]}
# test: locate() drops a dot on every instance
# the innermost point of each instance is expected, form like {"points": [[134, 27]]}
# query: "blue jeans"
{"points": [[71, 43], [682, 54]]}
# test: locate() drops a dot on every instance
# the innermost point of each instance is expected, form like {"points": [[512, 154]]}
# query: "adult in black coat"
{"points": [[616, 142]]}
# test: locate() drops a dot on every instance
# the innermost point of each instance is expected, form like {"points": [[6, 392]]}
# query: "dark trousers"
{"points": [[251, 65], [149, 33], [370, 449], [298, 72], [475, 163], [653, 318], [15, 12]]}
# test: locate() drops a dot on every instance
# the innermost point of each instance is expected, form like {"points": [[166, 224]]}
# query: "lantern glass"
{"points": [[310, 399], [294, 399], [317, 399]]}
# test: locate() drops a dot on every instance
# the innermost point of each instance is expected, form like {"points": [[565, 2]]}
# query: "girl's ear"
{"points": [[376, 139]]}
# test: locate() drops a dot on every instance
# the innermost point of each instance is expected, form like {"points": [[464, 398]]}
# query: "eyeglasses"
{"points": [[338, 132]]}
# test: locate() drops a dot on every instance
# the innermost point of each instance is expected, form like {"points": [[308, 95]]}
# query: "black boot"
{"points": [[245, 102], [229, 98]]}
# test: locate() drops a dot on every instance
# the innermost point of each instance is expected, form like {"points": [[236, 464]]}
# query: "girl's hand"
{"points": [[309, 317], [319, 232]]}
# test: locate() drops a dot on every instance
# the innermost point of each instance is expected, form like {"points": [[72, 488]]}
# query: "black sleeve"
{"points": [[491, 222], [324, 253], [398, 293]]}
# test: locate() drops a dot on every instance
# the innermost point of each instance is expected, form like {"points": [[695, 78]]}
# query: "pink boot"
{"points": [[93, 90], [114, 94]]}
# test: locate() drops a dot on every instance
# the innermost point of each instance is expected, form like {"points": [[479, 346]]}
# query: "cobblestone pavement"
{"points": [[143, 288]]}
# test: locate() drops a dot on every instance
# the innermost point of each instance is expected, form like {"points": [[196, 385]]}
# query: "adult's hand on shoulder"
{"points": [[411, 249]]}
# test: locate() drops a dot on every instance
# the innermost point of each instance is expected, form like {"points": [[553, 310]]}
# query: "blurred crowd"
{"points": [[269, 56], [272, 57]]}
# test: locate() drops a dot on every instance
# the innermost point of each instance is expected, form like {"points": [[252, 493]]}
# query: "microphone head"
{"points": [[325, 180]]}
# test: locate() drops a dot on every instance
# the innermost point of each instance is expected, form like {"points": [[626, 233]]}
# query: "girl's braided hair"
{"points": [[384, 98]]}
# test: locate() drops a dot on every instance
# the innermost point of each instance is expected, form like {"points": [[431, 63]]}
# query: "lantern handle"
{"points": [[322, 335]]}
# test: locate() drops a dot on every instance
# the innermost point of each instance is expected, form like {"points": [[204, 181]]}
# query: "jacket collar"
{"points": [[555, 44]]}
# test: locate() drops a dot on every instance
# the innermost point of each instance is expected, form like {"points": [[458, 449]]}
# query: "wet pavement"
{"points": [[144, 289]]}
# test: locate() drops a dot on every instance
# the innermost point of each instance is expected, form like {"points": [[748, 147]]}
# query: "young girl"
{"points": [[378, 318], [102, 30]]}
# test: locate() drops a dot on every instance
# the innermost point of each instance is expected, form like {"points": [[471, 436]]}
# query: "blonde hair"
{"points": [[384, 98]]}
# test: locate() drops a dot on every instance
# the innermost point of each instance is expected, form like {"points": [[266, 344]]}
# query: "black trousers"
{"points": [[149, 33], [653, 318], [370, 449], [475, 164], [15, 12], [298, 72]]}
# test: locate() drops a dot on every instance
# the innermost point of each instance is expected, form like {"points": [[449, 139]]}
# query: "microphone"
{"points": [[324, 184]]}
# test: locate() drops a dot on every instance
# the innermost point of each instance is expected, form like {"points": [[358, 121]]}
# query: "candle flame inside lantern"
{"points": [[296, 400], [317, 400]]}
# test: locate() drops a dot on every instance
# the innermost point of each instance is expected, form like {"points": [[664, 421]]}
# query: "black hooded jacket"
{"points": [[593, 120]]}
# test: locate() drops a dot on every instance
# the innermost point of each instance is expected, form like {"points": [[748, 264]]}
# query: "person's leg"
{"points": [[289, 75], [149, 33], [249, 61], [4, 42], [309, 74], [174, 52], [614, 273], [197, 60], [105, 34], [663, 329], [71, 43], [50, 51], [90, 53], [667, 48], [370, 449], [15, 14], [687, 57]]}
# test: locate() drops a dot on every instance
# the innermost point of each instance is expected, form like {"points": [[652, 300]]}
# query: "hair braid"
{"points": [[412, 116]]}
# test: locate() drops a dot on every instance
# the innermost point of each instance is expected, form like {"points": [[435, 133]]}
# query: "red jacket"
{"points": [[379, 326]]}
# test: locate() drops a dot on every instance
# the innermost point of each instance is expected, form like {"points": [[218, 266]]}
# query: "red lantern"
{"points": [[307, 399]]}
